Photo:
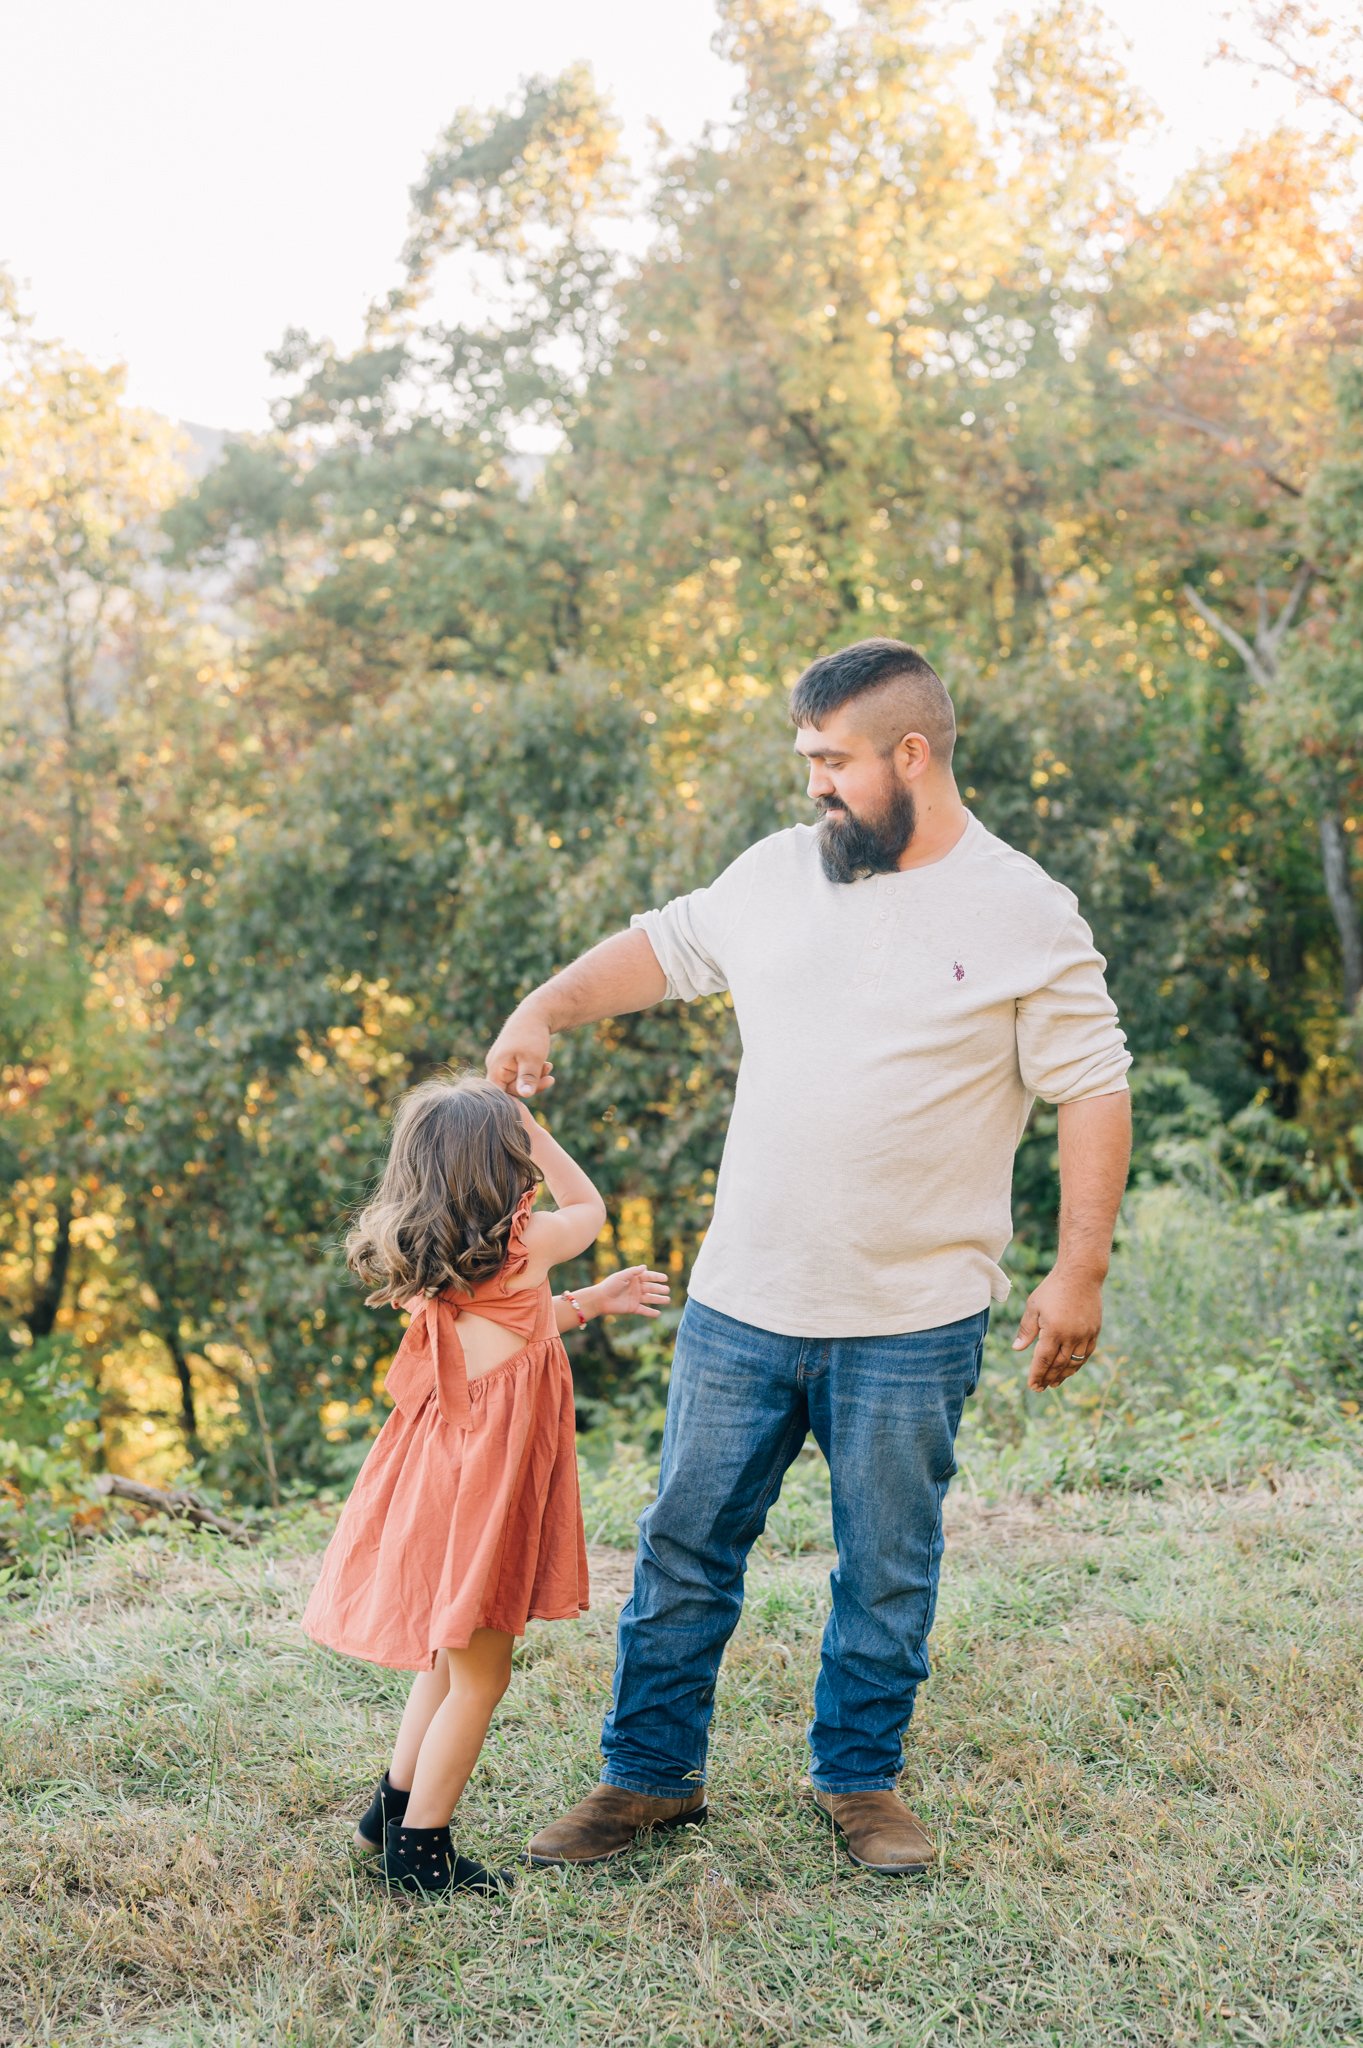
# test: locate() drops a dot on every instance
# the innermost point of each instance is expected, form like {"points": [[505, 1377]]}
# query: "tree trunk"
{"points": [[47, 1299], [1334, 854], [75, 794], [189, 1421], [1261, 657]]}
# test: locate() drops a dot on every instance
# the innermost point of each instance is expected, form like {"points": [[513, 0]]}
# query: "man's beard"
{"points": [[850, 847]]}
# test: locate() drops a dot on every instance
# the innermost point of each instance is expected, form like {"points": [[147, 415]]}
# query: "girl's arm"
{"points": [[633, 1291], [576, 1222]]}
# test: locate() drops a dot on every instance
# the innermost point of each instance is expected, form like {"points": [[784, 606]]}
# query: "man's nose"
{"points": [[820, 784]]}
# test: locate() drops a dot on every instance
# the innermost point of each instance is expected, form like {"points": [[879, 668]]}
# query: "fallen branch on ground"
{"points": [[186, 1507]]}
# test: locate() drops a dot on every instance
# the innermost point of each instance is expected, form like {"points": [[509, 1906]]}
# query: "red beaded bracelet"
{"points": [[568, 1295]]}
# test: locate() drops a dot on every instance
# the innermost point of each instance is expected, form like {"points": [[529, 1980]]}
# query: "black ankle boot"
{"points": [[422, 1860], [387, 1804]]}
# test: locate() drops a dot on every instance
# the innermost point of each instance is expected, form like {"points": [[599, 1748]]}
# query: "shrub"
{"points": [[1232, 1341]]}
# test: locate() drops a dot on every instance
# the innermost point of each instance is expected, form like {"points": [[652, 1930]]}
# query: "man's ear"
{"points": [[915, 755]]}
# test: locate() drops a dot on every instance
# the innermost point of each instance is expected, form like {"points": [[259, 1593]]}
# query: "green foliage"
{"points": [[1232, 1347], [47, 1423], [433, 861], [618, 1487], [515, 597], [1315, 721], [1232, 1344]]}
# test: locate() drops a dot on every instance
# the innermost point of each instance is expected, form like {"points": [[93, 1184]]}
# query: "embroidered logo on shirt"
{"points": [[958, 972]]}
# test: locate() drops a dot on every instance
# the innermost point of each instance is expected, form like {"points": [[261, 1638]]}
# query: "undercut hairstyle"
{"points": [[895, 691], [458, 1165]]}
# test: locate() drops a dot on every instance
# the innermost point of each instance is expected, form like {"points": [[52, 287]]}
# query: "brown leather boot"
{"points": [[879, 1830], [607, 1821]]}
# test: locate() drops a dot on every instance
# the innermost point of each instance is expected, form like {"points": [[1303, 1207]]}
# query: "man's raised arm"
{"points": [[619, 975]]}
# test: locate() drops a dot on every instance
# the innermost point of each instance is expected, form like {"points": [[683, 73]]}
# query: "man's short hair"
{"points": [[902, 693]]}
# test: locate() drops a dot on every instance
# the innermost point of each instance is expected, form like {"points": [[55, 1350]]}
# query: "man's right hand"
{"points": [[618, 975], [519, 1060]]}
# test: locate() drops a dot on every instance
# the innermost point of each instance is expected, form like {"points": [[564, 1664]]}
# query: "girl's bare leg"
{"points": [[478, 1676], [423, 1702]]}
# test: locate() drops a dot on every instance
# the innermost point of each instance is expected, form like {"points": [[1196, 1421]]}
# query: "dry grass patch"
{"points": [[1141, 1748]]}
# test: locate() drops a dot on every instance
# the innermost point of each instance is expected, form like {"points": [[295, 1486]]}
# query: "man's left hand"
{"points": [[1063, 1317]]}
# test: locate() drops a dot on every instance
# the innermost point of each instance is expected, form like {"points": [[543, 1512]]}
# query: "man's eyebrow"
{"points": [[818, 753]]}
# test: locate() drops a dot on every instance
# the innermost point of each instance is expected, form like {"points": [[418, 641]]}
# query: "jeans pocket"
{"points": [[979, 1359]]}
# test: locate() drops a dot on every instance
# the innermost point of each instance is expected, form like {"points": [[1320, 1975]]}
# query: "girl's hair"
{"points": [[458, 1164]]}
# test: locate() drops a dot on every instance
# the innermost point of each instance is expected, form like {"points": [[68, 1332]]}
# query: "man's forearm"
{"points": [[1095, 1154], [619, 975]]}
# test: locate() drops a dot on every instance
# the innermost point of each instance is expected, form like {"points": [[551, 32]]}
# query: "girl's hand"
{"points": [[527, 1115], [633, 1291]]}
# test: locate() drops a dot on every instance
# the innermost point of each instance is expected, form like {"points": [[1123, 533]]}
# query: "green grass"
{"points": [[1140, 1750]]}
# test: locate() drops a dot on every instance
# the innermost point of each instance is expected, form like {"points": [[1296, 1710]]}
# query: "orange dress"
{"points": [[466, 1512]]}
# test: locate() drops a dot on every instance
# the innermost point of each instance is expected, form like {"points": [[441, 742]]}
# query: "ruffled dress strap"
{"points": [[517, 1256]]}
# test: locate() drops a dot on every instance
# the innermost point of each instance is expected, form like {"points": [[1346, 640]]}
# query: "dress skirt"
{"points": [[452, 1530]]}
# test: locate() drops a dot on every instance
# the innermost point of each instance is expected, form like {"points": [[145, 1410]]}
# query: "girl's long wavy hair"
{"points": [[458, 1164]]}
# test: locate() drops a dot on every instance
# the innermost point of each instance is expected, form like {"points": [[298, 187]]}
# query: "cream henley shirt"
{"points": [[896, 1031]]}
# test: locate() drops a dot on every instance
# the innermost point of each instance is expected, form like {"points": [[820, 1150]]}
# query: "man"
{"points": [[905, 985]]}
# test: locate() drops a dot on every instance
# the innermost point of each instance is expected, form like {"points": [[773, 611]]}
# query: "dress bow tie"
{"points": [[431, 1355]]}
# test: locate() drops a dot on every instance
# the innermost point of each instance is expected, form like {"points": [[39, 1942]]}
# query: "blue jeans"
{"points": [[884, 1412]]}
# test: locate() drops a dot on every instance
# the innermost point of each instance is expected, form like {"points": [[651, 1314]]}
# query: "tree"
{"points": [[1318, 50], [1245, 267], [419, 870], [394, 525], [82, 483], [516, 594], [118, 745], [1312, 701]]}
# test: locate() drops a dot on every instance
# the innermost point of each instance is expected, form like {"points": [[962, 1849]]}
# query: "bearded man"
{"points": [[905, 986]]}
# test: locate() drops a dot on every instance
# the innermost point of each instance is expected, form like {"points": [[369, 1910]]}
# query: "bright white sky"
{"points": [[181, 180]]}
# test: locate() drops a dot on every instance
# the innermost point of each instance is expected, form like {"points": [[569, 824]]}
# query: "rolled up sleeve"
{"points": [[692, 936], [1070, 1045]]}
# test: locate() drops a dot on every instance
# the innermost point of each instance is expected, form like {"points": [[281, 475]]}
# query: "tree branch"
{"points": [[1182, 416], [1274, 635], [1262, 675], [186, 1506], [1275, 25]]}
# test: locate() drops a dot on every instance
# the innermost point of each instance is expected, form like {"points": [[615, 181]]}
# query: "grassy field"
{"points": [[1141, 1750]]}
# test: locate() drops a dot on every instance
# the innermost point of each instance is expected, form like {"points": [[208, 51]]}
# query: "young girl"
{"points": [[465, 1520]]}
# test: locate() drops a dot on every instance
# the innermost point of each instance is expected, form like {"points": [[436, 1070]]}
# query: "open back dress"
{"points": [[466, 1512]]}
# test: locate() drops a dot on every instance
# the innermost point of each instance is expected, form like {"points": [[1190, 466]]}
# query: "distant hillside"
{"points": [[206, 445]]}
